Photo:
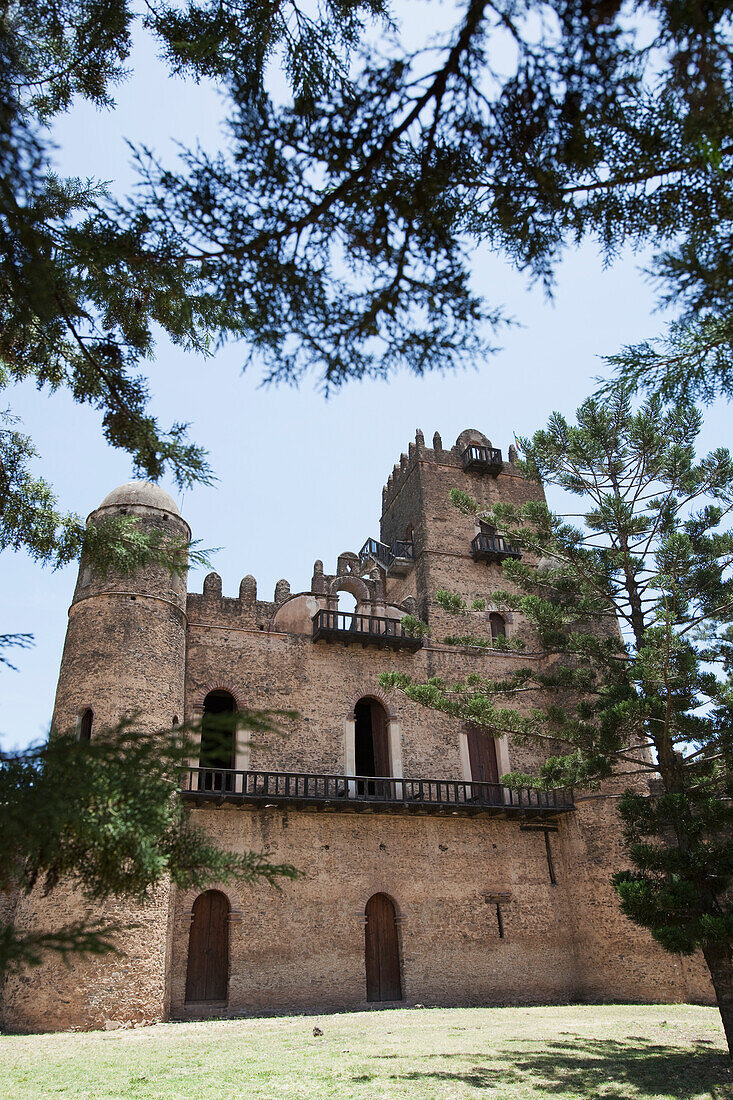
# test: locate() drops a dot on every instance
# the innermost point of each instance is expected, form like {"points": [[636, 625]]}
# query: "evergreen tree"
{"points": [[105, 816], [333, 230], [648, 548]]}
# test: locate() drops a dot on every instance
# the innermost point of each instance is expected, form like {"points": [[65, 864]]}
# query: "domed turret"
{"points": [[140, 493], [125, 644]]}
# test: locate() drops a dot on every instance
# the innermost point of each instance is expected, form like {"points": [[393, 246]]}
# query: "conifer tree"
{"points": [[631, 598], [105, 817]]}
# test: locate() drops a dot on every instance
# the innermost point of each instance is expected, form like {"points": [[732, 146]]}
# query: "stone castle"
{"points": [[424, 879]]}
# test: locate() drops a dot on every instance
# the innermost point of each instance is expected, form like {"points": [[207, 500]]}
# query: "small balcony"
{"points": [[364, 794], [349, 627], [490, 548], [483, 460], [396, 559]]}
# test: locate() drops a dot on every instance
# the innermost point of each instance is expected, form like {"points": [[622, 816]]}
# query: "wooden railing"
{"points": [[373, 548], [482, 458], [401, 550], [493, 548], [354, 791], [347, 627]]}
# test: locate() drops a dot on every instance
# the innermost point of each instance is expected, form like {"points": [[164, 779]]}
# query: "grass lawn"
{"points": [[654, 1052]]}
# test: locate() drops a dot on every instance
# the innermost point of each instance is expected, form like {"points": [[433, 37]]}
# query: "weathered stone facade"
{"points": [[492, 903]]}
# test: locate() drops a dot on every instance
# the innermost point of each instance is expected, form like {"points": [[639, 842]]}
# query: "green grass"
{"points": [[651, 1052]]}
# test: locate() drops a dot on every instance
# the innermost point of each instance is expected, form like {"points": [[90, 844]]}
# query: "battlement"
{"points": [[212, 607], [464, 454]]}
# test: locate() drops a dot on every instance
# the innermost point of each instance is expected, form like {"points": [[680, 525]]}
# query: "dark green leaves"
{"points": [[105, 816]]}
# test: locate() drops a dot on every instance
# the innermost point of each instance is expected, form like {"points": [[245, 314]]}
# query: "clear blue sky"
{"points": [[299, 478]]}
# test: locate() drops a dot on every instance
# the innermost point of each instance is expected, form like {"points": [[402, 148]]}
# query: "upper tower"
{"points": [[450, 550], [125, 644]]}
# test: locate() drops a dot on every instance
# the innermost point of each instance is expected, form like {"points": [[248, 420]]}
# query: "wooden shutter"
{"points": [[482, 755], [380, 740], [382, 951], [498, 625], [207, 975]]}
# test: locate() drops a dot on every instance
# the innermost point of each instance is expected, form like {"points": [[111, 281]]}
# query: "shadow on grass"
{"points": [[582, 1066]]}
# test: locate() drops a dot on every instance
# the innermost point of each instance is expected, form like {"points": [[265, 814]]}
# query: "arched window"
{"points": [[218, 740], [498, 625], [85, 725], [207, 972], [371, 745], [382, 950]]}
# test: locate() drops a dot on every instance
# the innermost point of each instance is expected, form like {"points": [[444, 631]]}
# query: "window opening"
{"points": [[346, 610], [498, 625], [500, 921], [346, 601], [550, 862], [218, 735], [85, 725], [371, 746]]}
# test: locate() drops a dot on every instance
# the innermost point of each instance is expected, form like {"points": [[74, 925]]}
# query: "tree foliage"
{"points": [[332, 232], [105, 817], [647, 548]]}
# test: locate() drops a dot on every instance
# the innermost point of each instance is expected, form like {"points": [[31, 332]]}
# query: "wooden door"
{"points": [[382, 951], [482, 756], [382, 758], [380, 740], [207, 974]]}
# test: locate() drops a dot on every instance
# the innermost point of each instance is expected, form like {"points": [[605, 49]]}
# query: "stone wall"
{"points": [[147, 647], [303, 947], [130, 986]]}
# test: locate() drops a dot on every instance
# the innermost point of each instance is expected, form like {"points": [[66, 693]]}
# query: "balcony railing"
{"points": [[347, 627], [396, 558], [482, 459], [360, 793], [377, 550], [493, 548]]}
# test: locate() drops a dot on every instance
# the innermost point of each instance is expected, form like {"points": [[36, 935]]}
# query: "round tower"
{"points": [[124, 655], [125, 646]]}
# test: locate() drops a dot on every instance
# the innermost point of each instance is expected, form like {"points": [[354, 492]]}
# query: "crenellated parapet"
{"points": [[292, 612], [454, 456], [245, 610]]}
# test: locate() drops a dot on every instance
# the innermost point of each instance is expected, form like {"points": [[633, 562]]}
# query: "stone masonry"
{"points": [[491, 903]]}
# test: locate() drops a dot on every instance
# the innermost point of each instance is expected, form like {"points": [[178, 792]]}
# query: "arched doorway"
{"points": [[382, 950], [218, 736], [371, 745], [207, 973]]}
